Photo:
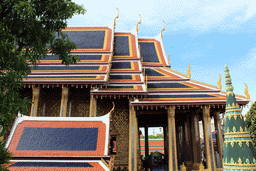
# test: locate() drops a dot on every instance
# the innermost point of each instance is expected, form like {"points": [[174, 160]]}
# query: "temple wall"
{"points": [[120, 119], [80, 102], [52, 99]]}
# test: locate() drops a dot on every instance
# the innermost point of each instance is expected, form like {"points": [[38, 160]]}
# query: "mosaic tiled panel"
{"points": [[59, 138], [84, 58], [60, 166], [125, 46], [120, 118], [49, 102], [152, 53], [90, 39], [161, 73]]}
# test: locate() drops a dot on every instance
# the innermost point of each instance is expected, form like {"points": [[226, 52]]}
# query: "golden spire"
{"points": [[251, 102], [163, 29], [219, 82], [246, 92], [188, 71], [116, 17], [137, 26]]}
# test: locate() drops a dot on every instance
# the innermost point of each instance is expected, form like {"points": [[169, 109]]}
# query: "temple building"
{"points": [[135, 75]]}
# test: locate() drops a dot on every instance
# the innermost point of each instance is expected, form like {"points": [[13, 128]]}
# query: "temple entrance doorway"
{"points": [[153, 140]]}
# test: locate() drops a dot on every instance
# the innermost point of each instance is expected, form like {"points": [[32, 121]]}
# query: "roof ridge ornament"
{"points": [[219, 82], [137, 25], [188, 71], [163, 30], [246, 92], [116, 17], [169, 58]]}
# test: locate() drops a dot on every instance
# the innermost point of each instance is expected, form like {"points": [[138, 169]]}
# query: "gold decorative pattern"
{"points": [[246, 92], [137, 26], [163, 30], [188, 72], [219, 82], [116, 18]]}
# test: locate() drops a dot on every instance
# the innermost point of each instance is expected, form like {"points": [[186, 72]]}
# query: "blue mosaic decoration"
{"points": [[121, 65], [69, 139], [148, 52], [82, 57], [111, 86], [151, 72], [120, 77], [167, 85], [50, 164], [64, 67], [87, 39], [60, 76], [179, 96], [121, 47]]}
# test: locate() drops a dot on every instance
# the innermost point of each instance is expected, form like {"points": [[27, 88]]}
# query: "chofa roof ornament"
{"points": [[219, 82], [116, 18], [246, 92], [188, 71], [163, 30], [137, 25]]}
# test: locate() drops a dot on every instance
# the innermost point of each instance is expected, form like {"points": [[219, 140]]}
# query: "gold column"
{"points": [[133, 162], [35, 100], [196, 140], [219, 139], [93, 106], [210, 162], [64, 101], [173, 162]]}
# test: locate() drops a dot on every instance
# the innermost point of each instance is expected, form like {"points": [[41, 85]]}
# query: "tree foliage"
{"points": [[29, 30], [251, 122]]}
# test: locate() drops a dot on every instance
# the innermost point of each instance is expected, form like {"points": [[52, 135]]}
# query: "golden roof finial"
{"points": [[163, 29], [246, 92], [251, 102], [188, 71], [219, 82], [137, 26], [169, 58], [116, 17]]}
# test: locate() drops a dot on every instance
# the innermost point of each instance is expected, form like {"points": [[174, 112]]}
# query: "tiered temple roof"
{"points": [[120, 63], [55, 143]]}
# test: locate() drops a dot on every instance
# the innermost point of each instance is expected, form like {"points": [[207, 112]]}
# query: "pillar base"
{"points": [[189, 164], [196, 166]]}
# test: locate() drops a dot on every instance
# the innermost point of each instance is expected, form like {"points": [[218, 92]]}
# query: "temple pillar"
{"points": [[133, 155], [219, 140], [165, 145], [196, 140], [64, 101], [146, 142], [173, 164], [189, 152], [210, 157], [93, 106], [35, 100]]}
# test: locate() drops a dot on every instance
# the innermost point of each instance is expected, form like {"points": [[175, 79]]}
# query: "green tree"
{"points": [[29, 29], [251, 122]]}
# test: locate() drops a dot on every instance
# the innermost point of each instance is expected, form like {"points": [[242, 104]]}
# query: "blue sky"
{"points": [[207, 34]]}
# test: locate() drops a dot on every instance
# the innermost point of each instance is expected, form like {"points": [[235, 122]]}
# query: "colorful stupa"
{"points": [[239, 153]]}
